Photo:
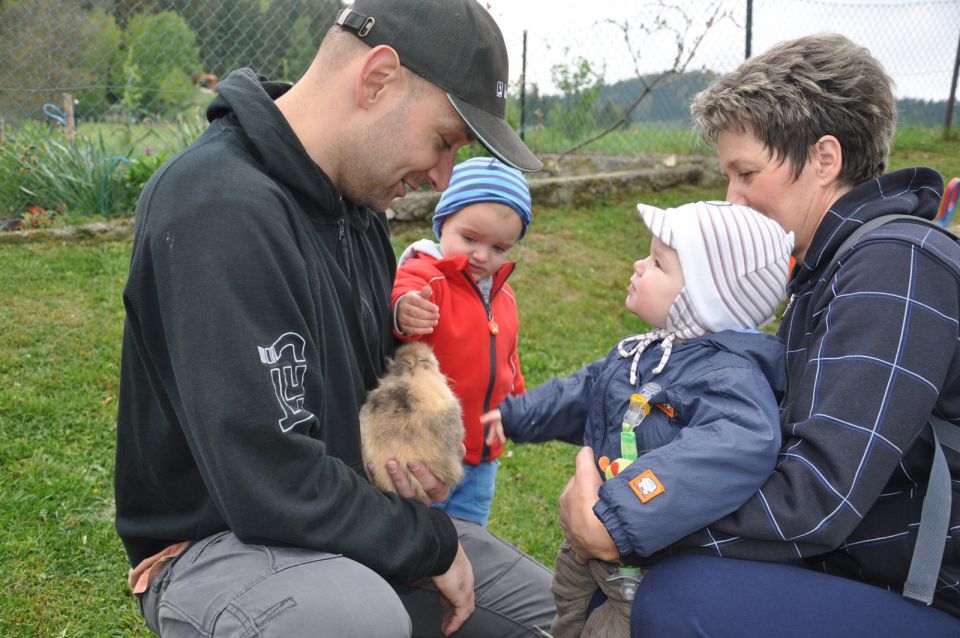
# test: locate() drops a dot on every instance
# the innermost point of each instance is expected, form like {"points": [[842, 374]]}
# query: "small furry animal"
{"points": [[412, 415]]}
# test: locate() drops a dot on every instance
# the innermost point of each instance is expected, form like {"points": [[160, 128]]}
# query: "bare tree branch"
{"points": [[681, 60]]}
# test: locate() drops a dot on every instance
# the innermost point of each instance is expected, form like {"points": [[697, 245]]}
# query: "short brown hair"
{"points": [[800, 90]]}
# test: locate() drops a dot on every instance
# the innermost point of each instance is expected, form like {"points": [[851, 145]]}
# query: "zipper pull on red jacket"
{"points": [[494, 328]]}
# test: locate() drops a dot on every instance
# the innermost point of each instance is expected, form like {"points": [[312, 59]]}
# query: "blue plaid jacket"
{"points": [[872, 349]]}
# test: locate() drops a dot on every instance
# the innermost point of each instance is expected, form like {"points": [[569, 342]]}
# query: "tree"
{"points": [[49, 47], [161, 52], [273, 37], [688, 34], [581, 85]]}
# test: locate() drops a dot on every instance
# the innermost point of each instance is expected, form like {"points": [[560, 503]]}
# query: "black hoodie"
{"points": [[257, 320]]}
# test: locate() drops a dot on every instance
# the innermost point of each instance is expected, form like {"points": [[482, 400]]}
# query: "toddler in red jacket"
{"points": [[454, 296]]}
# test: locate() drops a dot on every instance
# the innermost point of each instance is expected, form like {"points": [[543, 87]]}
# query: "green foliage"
{"points": [[922, 146], [100, 174], [303, 48], [277, 38], [161, 55], [64, 45], [924, 113], [60, 332], [174, 90], [676, 138], [82, 178], [102, 56], [141, 169], [86, 177], [133, 93], [16, 147], [581, 85], [64, 570]]}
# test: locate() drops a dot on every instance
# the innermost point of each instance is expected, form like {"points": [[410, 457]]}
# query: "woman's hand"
{"points": [[584, 531]]}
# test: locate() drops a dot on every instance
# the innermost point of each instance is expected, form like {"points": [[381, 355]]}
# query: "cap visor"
{"points": [[497, 136]]}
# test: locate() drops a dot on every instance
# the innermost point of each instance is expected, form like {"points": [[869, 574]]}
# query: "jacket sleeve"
{"points": [[410, 278], [877, 357], [725, 450], [519, 384], [555, 410], [221, 288]]}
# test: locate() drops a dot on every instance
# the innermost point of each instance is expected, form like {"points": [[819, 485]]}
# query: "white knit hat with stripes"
{"points": [[734, 263]]}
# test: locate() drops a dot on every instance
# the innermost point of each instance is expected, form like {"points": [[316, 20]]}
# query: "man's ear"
{"points": [[828, 159], [380, 72]]}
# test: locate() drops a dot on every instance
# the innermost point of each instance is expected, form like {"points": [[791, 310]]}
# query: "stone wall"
{"points": [[581, 180]]}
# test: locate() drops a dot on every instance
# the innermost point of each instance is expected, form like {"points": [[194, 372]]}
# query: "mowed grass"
{"points": [[60, 328], [571, 280], [61, 320], [60, 333]]}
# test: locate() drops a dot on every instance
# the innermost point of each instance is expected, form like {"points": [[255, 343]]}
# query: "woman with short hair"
{"points": [[803, 133]]}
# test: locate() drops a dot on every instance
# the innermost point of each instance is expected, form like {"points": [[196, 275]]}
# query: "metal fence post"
{"points": [[749, 29], [523, 87], [953, 94], [70, 125]]}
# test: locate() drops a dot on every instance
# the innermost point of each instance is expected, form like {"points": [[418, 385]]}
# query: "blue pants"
{"points": [[710, 596], [472, 497]]}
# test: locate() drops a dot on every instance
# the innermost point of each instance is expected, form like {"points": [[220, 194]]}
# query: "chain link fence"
{"points": [[604, 75], [634, 66]]}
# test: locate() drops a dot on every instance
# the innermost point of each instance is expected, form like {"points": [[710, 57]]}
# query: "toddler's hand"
{"points": [[495, 433], [416, 314]]}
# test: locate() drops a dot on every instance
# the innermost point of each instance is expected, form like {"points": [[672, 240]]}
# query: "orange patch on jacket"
{"points": [[646, 486]]}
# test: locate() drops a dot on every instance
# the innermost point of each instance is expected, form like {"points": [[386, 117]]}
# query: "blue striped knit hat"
{"points": [[484, 179]]}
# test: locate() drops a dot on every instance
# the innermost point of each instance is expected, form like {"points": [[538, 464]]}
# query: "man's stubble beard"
{"points": [[378, 146]]}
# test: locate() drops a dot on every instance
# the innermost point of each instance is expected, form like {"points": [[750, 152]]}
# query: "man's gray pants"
{"points": [[222, 587]]}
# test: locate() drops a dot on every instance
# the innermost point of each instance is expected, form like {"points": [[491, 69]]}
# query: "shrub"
{"points": [[50, 43], [82, 178], [161, 53]]}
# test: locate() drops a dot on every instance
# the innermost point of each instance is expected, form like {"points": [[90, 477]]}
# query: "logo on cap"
{"points": [[501, 89]]}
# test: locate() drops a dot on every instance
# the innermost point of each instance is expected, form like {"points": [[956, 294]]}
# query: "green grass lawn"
{"points": [[60, 329]]}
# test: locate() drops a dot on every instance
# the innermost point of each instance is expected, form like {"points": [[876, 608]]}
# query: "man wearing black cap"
{"points": [[258, 319]]}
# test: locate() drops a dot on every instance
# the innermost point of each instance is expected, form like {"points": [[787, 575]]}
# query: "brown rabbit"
{"points": [[412, 415]]}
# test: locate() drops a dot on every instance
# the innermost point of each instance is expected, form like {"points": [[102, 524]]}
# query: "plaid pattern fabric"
{"points": [[873, 347]]}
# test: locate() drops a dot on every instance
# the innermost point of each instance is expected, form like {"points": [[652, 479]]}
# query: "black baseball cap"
{"points": [[456, 45]]}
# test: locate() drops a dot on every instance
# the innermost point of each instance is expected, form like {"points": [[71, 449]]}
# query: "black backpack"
{"points": [[935, 514]]}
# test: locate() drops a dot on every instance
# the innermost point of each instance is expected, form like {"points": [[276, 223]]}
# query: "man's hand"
{"points": [[456, 587], [586, 534], [416, 315], [492, 420], [436, 491]]}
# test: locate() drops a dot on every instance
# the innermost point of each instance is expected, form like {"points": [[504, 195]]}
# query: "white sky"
{"points": [[916, 40]]}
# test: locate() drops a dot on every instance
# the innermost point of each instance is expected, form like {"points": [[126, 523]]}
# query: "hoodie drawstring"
{"points": [[640, 343]]}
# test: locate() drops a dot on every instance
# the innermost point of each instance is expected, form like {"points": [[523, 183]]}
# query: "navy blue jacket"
{"points": [[873, 347], [716, 450]]}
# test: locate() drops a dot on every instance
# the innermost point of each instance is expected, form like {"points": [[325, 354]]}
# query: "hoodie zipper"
{"points": [[341, 249]]}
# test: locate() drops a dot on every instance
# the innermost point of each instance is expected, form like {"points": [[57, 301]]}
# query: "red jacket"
{"points": [[476, 346]]}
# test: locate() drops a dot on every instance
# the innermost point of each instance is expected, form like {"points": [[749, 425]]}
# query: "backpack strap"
{"points": [[934, 517], [877, 222], [927, 556]]}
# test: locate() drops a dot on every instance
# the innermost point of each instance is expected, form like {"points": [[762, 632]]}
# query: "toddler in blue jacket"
{"points": [[716, 271]]}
